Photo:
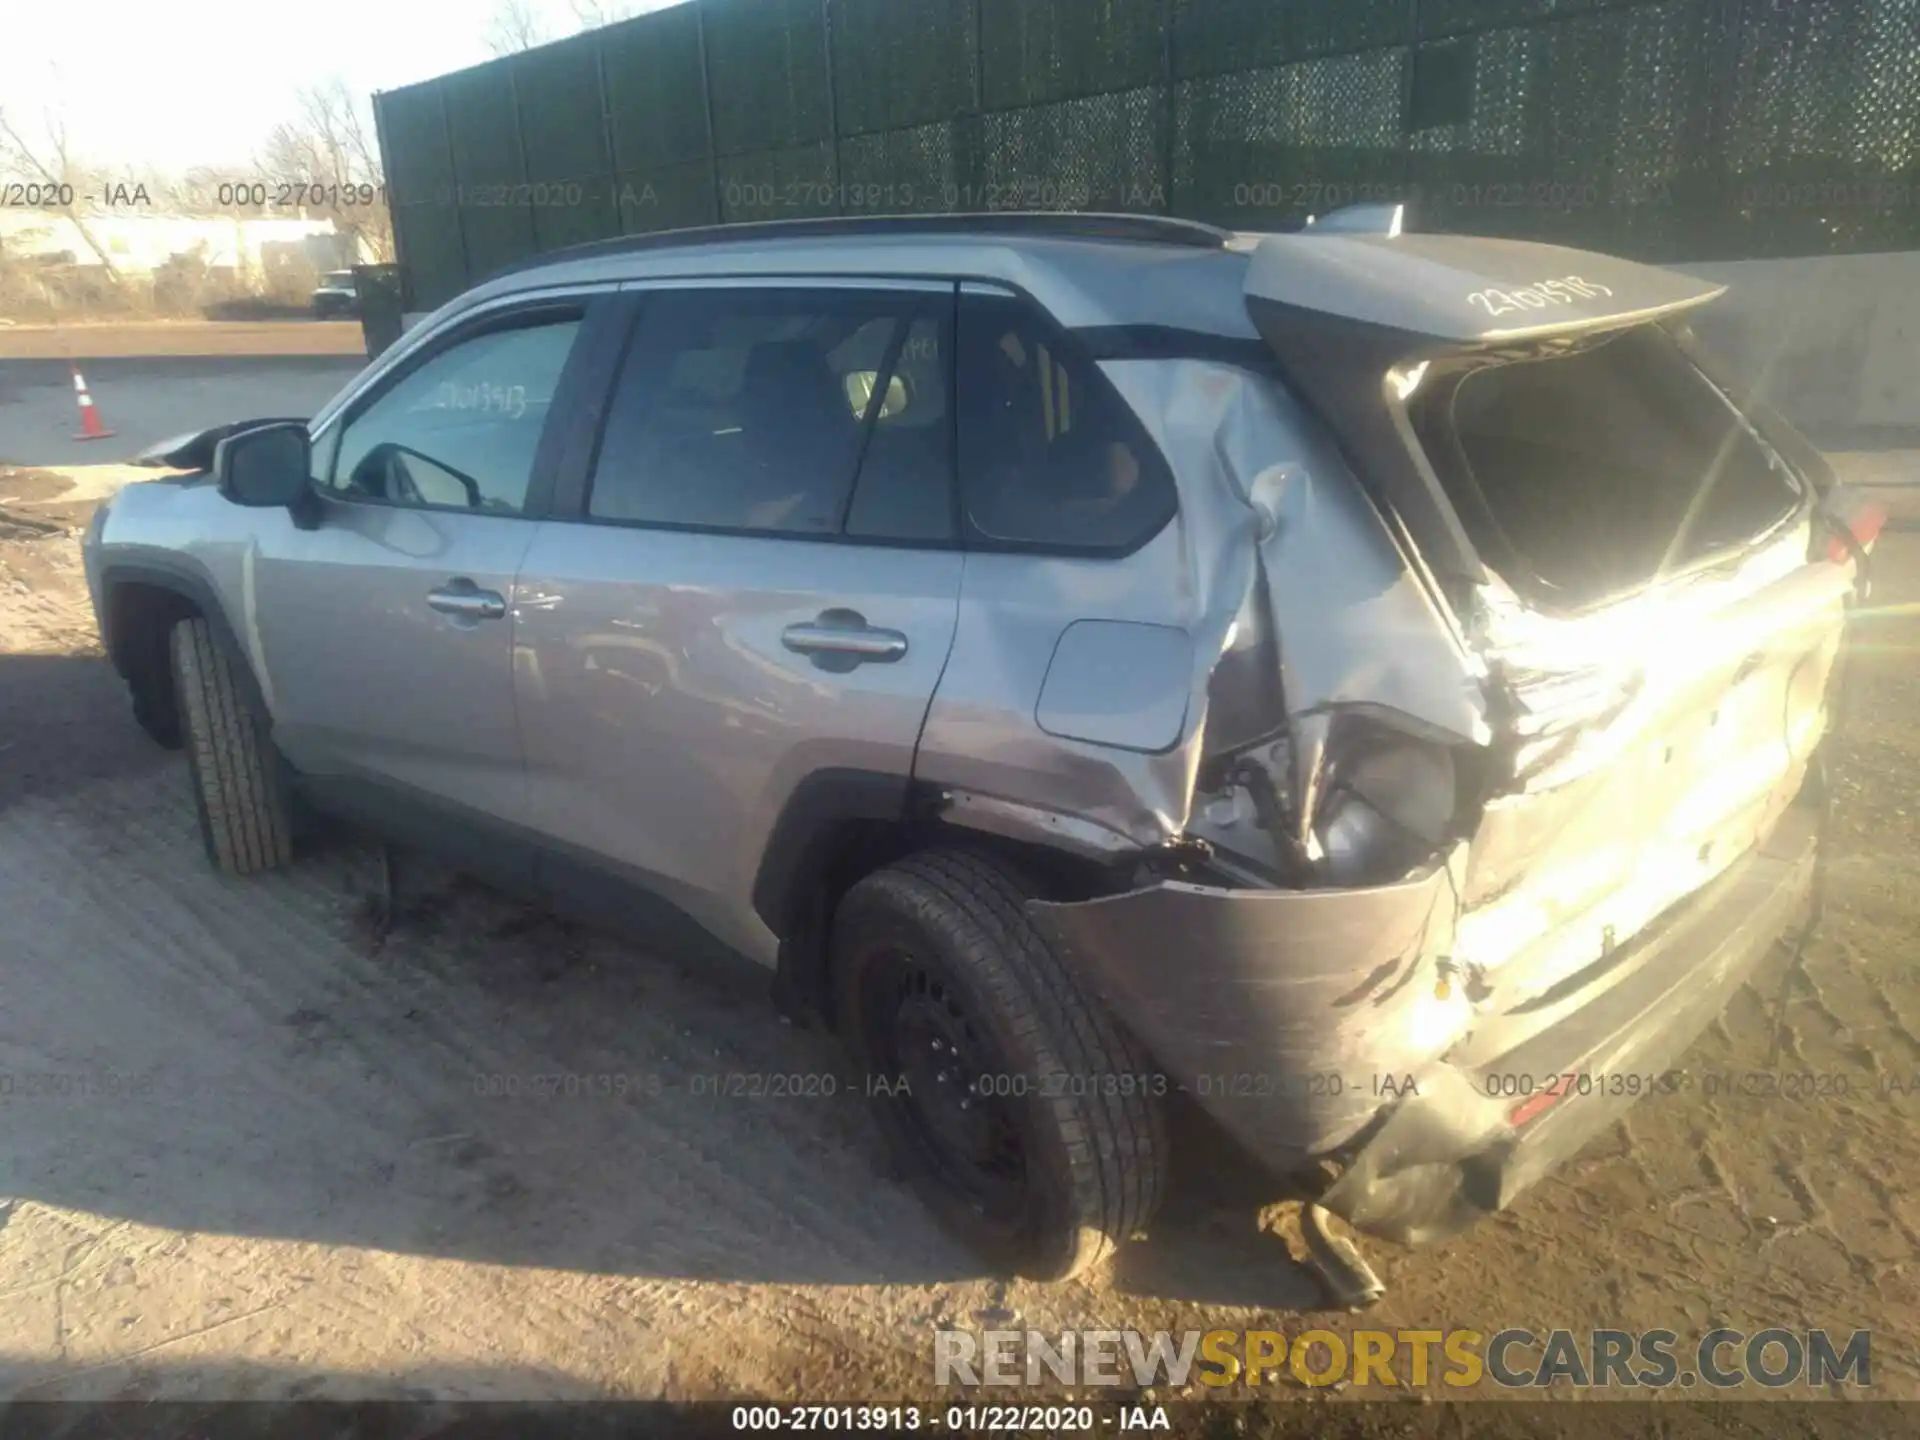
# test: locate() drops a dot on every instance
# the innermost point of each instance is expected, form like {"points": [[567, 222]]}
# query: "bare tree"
{"points": [[200, 190], [328, 150], [514, 27], [52, 164], [592, 14]]}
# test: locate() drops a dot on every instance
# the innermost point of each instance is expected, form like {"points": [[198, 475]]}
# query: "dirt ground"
{"points": [[181, 337], [249, 1146]]}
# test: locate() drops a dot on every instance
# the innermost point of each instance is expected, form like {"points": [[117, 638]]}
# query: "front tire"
{"points": [[238, 787], [1029, 1123]]}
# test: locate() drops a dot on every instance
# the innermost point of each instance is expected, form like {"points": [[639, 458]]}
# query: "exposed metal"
{"points": [[1350, 1282]]}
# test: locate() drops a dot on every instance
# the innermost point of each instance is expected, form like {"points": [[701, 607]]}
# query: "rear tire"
{"points": [[238, 786], [1043, 1146]]}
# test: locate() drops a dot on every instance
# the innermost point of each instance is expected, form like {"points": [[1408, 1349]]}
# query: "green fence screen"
{"points": [[1664, 129]]}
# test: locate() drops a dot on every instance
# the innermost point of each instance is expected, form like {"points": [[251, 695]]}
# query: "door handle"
{"points": [[467, 600], [838, 633]]}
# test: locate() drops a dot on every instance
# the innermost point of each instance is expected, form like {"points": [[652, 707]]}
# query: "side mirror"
{"points": [[265, 466]]}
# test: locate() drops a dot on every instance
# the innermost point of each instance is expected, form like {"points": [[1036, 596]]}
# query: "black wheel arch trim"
{"points": [[188, 583], [790, 889], [823, 802]]}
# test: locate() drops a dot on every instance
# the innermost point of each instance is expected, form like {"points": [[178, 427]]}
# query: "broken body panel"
{"points": [[1437, 824]]}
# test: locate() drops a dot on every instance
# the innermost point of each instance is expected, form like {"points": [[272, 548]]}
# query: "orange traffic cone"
{"points": [[90, 426]]}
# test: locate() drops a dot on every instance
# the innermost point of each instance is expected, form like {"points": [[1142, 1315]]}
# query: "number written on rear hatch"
{"points": [[1537, 296]]}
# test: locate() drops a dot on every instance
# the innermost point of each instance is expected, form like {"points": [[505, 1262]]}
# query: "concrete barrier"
{"points": [[1832, 341]]}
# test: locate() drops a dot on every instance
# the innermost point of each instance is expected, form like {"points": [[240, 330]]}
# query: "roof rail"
{"points": [[1034, 224]]}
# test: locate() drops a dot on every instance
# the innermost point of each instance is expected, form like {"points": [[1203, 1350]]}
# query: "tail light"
{"points": [[1862, 521], [1541, 1101]]}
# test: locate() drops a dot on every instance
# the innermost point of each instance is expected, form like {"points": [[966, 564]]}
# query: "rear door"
{"points": [[386, 627], [749, 588]]}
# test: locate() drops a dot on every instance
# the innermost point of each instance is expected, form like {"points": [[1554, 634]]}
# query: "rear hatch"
{"points": [[1642, 570]]}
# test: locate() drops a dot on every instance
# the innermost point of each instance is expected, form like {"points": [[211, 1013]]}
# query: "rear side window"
{"points": [[1049, 455], [787, 412]]}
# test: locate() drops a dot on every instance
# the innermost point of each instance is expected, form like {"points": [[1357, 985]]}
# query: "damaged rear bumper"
{"points": [[1291, 1015], [1444, 1158], [1296, 1019]]}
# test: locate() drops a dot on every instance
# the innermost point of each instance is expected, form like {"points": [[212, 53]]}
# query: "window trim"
{"points": [[593, 307], [574, 482], [1067, 344]]}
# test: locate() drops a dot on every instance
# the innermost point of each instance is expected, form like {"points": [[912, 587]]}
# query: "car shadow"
{"points": [[158, 1396], [433, 1068], [48, 700]]}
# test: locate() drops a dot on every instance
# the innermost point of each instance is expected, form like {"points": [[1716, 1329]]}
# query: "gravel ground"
{"points": [[251, 1146]]}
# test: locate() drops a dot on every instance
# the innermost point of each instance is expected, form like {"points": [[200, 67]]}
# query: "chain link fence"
{"points": [[1662, 129]]}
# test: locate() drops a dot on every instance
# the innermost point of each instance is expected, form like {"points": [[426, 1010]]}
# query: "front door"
{"points": [[386, 630]]}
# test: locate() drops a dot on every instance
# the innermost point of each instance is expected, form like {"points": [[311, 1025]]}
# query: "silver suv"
{"points": [[1352, 685]]}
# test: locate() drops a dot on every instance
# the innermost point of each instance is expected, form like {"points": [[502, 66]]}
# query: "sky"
{"points": [[172, 85]]}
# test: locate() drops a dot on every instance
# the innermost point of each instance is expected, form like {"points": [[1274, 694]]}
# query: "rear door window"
{"points": [[1049, 455], [784, 411]]}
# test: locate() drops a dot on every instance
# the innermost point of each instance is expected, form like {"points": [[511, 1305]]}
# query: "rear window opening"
{"points": [[1589, 472]]}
